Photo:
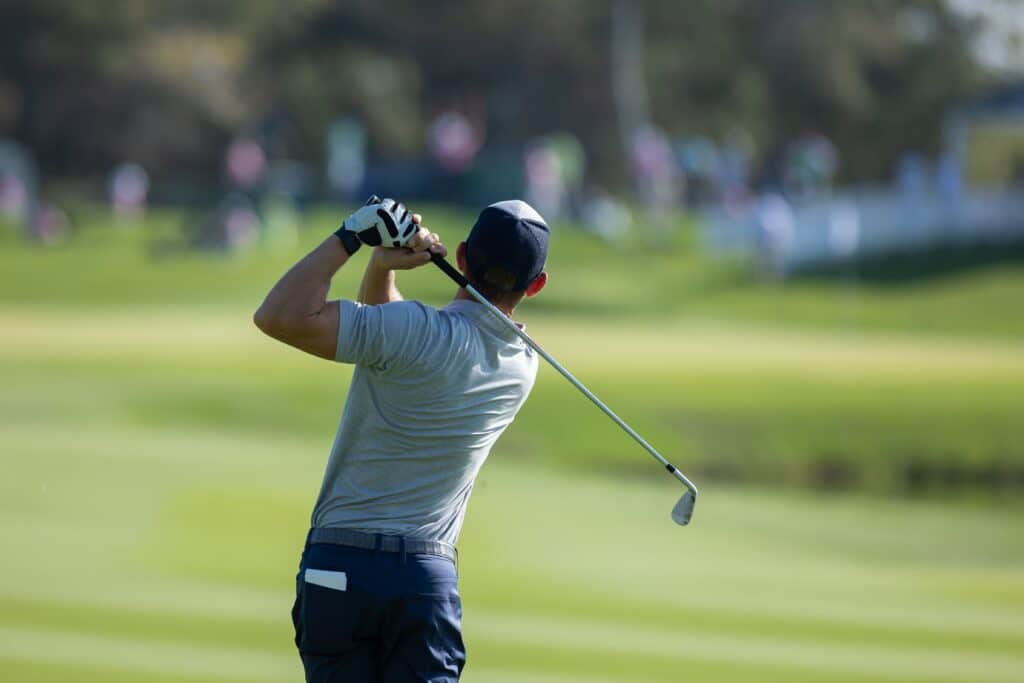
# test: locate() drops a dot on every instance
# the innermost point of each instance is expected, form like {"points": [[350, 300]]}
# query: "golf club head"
{"points": [[683, 510]]}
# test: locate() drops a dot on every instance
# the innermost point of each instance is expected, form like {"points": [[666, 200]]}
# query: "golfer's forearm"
{"points": [[378, 285], [302, 293]]}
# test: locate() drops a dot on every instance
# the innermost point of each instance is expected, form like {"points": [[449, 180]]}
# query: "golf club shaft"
{"points": [[462, 282]]}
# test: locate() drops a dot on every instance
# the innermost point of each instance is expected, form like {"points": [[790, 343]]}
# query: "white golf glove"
{"points": [[380, 222]]}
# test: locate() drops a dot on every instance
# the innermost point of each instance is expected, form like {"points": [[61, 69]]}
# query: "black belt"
{"points": [[389, 544]]}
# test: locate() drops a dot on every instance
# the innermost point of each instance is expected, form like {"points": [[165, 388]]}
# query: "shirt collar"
{"points": [[479, 313]]}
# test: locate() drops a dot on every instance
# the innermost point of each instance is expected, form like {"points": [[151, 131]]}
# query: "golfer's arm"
{"points": [[378, 285], [296, 310]]}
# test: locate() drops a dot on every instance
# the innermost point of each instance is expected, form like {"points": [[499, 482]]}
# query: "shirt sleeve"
{"points": [[381, 337]]}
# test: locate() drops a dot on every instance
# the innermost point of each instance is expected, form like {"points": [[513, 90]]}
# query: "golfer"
{"points": [[432, 390]]}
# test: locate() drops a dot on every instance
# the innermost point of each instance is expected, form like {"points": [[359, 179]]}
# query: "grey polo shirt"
{"points": [[431, 392]]}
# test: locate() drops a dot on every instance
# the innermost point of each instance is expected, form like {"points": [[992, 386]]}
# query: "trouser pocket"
{"points": [[330, 617], [427, 633]]}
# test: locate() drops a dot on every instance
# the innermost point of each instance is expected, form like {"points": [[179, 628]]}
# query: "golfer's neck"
{"points": [[463, 294]]}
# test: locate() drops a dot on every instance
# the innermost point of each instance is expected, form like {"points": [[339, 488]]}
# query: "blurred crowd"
{"points": [[261, 194], [625, 114]]}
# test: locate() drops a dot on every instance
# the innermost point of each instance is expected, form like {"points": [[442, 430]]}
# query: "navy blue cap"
{"points": [[508, 246]]}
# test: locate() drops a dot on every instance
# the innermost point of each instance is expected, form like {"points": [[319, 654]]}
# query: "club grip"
{"points": [[448, 269]]}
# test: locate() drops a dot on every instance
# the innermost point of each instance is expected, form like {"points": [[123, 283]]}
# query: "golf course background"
{"points": [[858, 443]]}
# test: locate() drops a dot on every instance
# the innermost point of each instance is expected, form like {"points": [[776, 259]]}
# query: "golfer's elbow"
{"points": [[263, 321], [271, 324], [282, 326]]}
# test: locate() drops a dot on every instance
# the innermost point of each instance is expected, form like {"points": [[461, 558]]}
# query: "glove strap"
{"points": [[349, 240]]}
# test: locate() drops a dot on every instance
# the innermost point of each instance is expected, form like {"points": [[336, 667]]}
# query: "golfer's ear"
{"points": [[460, 256], [537, 284]]}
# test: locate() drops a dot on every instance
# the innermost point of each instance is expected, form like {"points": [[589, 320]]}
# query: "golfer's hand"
{"points": [[378, 222], [416, 252]]}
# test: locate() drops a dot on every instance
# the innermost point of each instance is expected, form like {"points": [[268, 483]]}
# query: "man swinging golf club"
{"points": [[432, 390]]}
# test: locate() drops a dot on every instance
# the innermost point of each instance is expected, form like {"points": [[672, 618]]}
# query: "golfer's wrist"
{"points": [[376, 262], [350, 241]]}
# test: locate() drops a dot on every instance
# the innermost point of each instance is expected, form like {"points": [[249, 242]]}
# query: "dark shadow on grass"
{"points": [[904, 267], [904, 476]]}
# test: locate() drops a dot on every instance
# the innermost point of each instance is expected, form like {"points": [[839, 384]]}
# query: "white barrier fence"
{"points": [[786, 237]]}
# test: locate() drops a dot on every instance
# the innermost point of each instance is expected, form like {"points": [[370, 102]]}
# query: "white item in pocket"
{"points": [[321, 577]]}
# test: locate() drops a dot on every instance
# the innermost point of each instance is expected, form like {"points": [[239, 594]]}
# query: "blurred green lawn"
{"points": [[160, 460]]}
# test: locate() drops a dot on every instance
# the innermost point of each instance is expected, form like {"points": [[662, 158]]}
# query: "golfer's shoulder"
{"points": [[409, 312], [395, 318], [407, 307]]}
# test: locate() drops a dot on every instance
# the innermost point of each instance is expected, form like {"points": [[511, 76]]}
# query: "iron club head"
{"points": [[683, 510]]}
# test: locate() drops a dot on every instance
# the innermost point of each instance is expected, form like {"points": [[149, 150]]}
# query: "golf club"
{"points": [[683, 510]]}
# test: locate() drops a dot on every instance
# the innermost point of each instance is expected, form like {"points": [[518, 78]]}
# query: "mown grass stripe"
{"points": [[180, 596], [273, 629], [103, 620], [16, 670], [176, 333], [724, 619], [682, 644], [508, 662], [147, 656], [589, 645], [577, 639]]}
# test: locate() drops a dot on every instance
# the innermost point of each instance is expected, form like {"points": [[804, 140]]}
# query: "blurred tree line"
{"points": [[167, 83]]}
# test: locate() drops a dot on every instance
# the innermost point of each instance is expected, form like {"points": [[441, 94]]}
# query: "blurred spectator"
{"points": [[234, 225], [13, 197], [454, 141], [912, 174], [811, 165], [52, 226], [843, 229], [246, 163], [911, 181], [545, 179], [240, 223], [776, 227], [605, 216], [128, 189], [949, 179], [734, 168], [18, 186], [573, 161], [654, 166], [701, 163]]}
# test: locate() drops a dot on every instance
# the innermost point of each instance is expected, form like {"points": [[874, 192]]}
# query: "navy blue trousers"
{"points": [[368, 616]]}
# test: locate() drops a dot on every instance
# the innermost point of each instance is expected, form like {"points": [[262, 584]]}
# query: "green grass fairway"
{"points": [[159, 466], [152, 556], [589, 279], [160, 459], [748, 403], [915, 386]]}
